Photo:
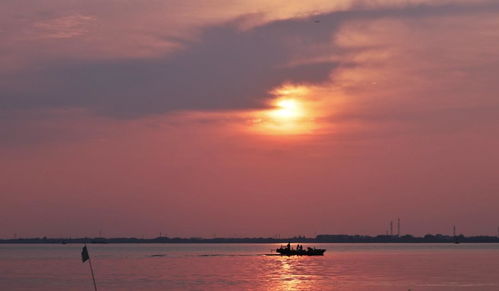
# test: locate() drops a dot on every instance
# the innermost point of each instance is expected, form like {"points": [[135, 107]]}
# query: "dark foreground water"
{"points": [[244, 267]]}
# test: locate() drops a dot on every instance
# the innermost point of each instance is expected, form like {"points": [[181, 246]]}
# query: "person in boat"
{"points": [[288, 247]]}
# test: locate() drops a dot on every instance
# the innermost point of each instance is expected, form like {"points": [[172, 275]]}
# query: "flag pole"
{"points": [[91, 270]]}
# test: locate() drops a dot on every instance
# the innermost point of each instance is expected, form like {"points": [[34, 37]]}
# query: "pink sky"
{"points": [[135, 118]]}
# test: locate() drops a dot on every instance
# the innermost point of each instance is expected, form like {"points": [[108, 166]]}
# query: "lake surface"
{"points": [[245, 267]]}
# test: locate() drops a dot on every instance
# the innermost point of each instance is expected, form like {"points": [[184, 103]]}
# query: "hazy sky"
{"points": [[248, 118]]}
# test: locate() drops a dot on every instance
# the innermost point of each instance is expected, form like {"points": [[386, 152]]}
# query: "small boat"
{"points": [[299, 251]]}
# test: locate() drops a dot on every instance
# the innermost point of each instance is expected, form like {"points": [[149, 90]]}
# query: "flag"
{"points": [[84, 254]]}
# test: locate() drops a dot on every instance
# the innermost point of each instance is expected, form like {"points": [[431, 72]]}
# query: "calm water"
{"points": [[244, 267]]}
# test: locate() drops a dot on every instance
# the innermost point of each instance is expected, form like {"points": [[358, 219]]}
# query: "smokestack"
{"points": [[391, 227], [454, 230]]}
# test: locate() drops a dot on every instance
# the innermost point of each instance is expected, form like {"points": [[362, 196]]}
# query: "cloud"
{"points": [[421, 77], [63, 27], [411, 93], [226, 68]]}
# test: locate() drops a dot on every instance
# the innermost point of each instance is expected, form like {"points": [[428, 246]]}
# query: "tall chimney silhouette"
{"points": [[398, 226], [391, 227]]}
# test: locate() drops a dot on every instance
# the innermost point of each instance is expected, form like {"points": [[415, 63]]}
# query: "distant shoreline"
{"points": [[323, 238]]}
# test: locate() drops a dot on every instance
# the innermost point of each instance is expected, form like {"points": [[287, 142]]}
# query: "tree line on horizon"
{"points": [[322, 238]]}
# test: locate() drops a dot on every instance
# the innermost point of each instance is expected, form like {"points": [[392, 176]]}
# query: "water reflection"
{"points": [[296, 273], [352, 267]]}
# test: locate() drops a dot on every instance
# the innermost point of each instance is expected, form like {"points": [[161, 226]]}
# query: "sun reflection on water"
{"points": [[294, 274]]}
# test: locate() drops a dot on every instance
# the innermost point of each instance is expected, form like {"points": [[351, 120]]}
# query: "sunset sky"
{"points": [[248, 118]]}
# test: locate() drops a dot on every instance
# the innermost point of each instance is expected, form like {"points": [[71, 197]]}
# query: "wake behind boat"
{"points": [[299, 251]]}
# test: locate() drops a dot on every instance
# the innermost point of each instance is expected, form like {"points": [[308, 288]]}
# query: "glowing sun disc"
{"points": [[287, 109]]}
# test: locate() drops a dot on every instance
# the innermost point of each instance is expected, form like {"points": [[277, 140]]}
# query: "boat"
{"points": [[299, 251]]}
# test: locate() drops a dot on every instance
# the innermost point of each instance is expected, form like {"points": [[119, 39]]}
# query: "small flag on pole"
{"points": [[85, 257], [84, 254]]}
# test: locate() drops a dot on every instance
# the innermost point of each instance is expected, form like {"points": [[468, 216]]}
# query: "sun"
{"points": [[290, 113], [287, 110]]}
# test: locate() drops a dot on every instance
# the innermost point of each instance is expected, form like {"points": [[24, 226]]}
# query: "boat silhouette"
{"points": [[299, 251]]}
